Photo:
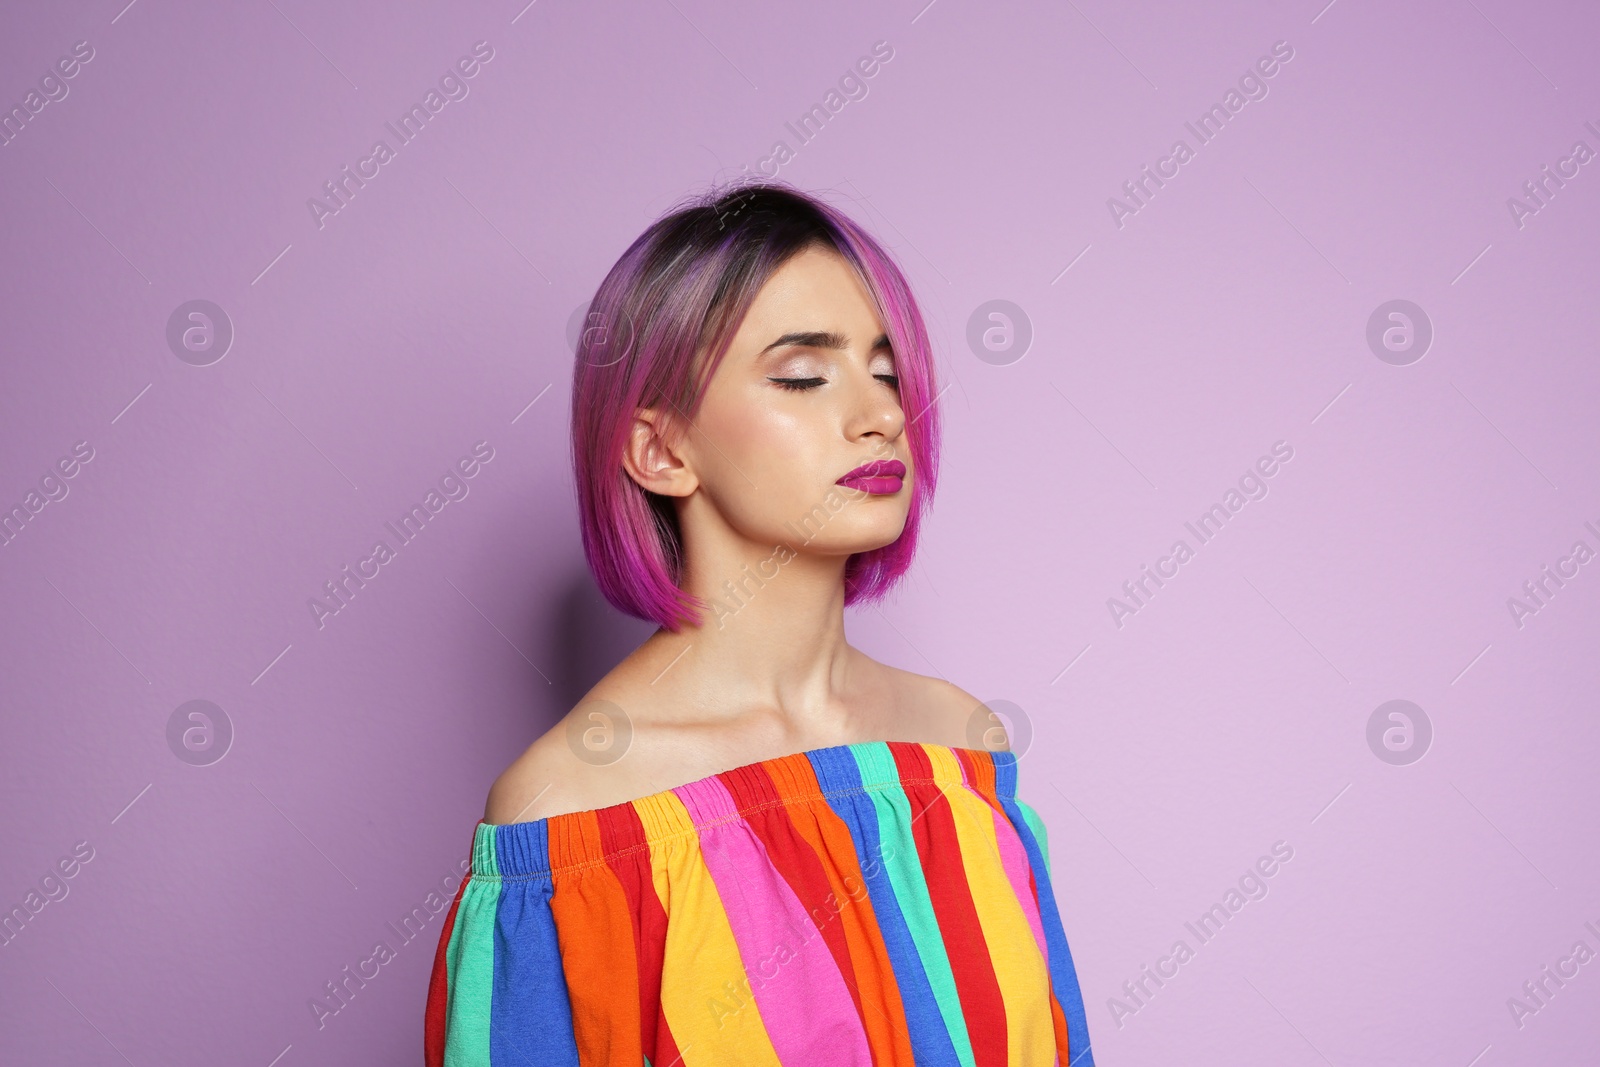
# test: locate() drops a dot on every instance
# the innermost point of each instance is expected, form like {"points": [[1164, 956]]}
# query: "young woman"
{"points": [[750, 843]]}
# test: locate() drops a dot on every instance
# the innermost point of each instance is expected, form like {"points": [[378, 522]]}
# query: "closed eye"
{"points": [[892, 380]]}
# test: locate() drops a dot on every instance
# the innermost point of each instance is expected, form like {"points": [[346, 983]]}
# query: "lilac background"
{"points": [[1229, 313]]}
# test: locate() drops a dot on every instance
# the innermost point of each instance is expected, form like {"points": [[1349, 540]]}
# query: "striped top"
{"points": [[879, 904]]}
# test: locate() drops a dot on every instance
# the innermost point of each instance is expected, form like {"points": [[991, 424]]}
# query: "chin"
{"points": [[870, 536]]}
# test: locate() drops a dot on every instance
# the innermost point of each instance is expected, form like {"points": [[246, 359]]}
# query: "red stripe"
{"points": [[621, 828], [939, 846], [753, 788], [433, 1021]]}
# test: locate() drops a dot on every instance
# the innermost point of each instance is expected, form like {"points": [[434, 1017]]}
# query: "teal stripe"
{"points": [[470, 958], [904, 868], [1036, 824]]}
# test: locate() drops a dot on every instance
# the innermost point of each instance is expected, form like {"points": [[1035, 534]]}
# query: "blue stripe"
{"points": [[931, 1044], [530, 1020], [1063, 976]]}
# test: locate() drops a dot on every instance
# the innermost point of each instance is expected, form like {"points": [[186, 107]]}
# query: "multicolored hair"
{"points": [[658, 327]]}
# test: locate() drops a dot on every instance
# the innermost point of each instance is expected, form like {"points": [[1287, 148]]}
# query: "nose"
{"points": [[874, 408]]}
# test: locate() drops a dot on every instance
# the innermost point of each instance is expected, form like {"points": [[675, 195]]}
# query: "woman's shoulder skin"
{"points": [[939, 711], [549, 777], [552, 776]]}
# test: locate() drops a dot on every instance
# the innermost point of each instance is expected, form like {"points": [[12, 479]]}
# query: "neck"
{"points": [[772, 637]]}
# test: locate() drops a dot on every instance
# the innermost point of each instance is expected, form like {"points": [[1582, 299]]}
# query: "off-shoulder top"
{"points": [[879, 904]]}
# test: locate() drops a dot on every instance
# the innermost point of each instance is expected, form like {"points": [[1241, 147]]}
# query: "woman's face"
{"points": [[805, 395]]}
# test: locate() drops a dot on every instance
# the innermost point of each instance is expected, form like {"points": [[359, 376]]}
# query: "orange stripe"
{"points": [[979, 770], [597, 949], [1060, 1022]]}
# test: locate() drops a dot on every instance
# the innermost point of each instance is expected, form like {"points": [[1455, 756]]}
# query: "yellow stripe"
{"points": [[705, 993], [1019, 966]]}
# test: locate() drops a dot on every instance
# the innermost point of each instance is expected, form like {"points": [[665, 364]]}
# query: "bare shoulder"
{"points": [[518, 794], [948, 713], [550, 777]]}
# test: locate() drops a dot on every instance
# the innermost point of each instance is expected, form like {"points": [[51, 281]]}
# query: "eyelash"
{"points": [[799, 384]]}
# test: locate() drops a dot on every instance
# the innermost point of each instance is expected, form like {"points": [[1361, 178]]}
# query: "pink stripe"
{"points": [[804, 1003], [1014, 858]]}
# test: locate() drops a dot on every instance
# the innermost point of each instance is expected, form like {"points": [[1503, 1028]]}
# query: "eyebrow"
{"points": [[821, 339]]}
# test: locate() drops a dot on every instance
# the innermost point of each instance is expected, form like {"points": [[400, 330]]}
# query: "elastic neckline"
{"points": [[569, 841]]}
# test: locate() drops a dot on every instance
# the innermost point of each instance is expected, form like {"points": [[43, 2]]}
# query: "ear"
{"points": [[651, 457]]}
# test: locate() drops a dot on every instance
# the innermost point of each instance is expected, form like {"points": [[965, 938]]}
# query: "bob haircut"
{"points": [[658, 327]]}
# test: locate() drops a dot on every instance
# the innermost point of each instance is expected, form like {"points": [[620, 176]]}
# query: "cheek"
{"points": [[749, 424], [761, 458], [779, 457]]}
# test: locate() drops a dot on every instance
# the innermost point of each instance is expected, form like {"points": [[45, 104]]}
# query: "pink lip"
{"points": [[881, 476]]}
